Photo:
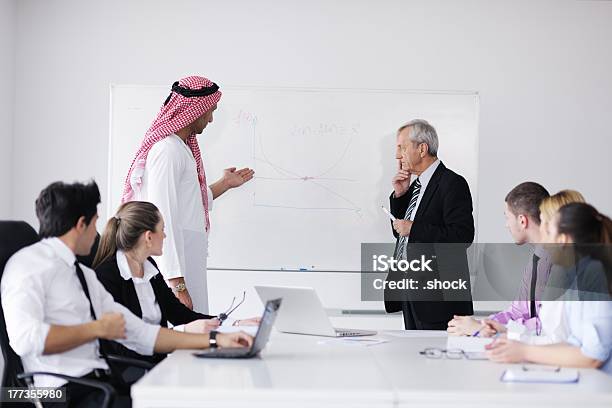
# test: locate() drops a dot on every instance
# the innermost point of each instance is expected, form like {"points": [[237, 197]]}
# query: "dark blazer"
{"points": [[444, 216], [124, 292]]}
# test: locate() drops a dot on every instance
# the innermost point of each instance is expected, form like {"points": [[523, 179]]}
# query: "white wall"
{"points": [[542, 69], [8, 14]]}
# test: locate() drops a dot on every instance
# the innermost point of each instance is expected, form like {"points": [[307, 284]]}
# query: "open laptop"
{"points": [[303, 312], [261, 338]]}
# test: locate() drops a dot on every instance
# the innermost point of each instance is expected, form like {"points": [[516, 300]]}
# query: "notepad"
{"points": [[473, 347], [541, 375]]}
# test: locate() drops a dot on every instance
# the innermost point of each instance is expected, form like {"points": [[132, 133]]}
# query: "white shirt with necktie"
{"points": [[40, 288], [424, 179]]}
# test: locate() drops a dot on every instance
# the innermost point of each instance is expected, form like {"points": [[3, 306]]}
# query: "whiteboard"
{"points": [[323, 160]]}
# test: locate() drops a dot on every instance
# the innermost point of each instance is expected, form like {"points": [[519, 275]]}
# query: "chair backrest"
{"points": [[14, 235]]}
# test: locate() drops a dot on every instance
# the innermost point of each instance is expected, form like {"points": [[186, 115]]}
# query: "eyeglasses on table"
{"points": [[223, 316]]}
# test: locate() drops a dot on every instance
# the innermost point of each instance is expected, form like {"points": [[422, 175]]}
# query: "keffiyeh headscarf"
{"points": [[189, 99]]}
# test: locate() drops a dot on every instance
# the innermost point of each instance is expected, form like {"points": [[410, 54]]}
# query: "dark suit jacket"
{"points": [[444, 216], [124, 292]]}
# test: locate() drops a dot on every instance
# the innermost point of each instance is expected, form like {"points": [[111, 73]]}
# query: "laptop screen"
{"points": [[265, 327]]}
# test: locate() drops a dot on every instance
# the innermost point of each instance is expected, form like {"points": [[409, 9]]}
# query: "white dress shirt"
{"points": [[40, 288], [554, 313], [151, 313], [590, 328], [170, 181], [424, 178], [553, 322]]}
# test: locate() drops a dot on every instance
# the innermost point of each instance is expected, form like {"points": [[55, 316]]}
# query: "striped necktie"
{"points": [[416, 190]]}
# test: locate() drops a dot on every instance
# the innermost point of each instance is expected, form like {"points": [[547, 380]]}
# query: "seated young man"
{"points": [[522, 210], [56, 310]]}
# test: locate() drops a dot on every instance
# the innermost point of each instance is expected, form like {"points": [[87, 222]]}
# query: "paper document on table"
{"points": [[415, 333], [368, 341], [354, 341], [526, 374], [473, 347]]}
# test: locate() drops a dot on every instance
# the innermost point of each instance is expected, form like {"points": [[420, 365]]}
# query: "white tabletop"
{"points": [[308, 371], [420, 381]]}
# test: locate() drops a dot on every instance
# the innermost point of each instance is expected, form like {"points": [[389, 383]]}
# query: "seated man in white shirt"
{"points": [[56, 310]]}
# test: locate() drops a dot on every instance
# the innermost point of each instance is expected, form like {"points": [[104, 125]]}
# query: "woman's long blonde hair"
{"points": [[550, 205]]}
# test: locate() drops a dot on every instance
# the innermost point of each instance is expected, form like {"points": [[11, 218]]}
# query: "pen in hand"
{"points": [[388, 213]]}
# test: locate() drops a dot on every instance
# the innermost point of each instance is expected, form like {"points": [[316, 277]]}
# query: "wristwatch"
{"points": [[212, 339], [180, 287]]}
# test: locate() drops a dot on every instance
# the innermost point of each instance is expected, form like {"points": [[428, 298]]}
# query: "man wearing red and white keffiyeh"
{"points": [[168, 171]]}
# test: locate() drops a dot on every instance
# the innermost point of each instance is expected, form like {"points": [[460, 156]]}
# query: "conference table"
{"points": [[310, 371]]}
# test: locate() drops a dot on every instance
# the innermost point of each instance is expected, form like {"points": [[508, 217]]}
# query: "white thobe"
{"points": [[170, 181]]}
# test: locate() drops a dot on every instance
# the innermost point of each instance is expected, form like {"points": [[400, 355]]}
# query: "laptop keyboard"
{"points": [[347, 333], [226, 352], [234, 353]]}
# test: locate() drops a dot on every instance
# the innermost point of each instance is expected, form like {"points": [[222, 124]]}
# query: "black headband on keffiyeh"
{"points": [[192, 93]]}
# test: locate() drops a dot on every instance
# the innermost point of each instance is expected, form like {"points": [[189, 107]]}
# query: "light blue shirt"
{"points": [[590, 328], [590, 282]]}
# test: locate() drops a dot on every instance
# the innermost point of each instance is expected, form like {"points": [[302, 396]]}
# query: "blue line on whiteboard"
{"points": [[337, 195], [288, 175], [305, 178], [357, 210], [297, 177], [338, 161]]}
